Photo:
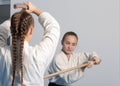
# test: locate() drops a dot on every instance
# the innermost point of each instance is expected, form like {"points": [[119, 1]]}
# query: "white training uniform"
{"points": [[36, 59], [5, 33], [61, 62]]}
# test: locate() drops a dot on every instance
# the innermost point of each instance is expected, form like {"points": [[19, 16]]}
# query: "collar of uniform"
{"points": [[65, 54], [66, 59], [26, 44]]}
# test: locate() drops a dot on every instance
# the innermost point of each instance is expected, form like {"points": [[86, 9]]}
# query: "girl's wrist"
{"points": [[37, 12]]}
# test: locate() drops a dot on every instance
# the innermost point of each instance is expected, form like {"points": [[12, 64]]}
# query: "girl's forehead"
{"points": [[70, 37]]}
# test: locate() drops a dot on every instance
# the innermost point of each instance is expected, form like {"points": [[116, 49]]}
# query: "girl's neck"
{"points": [[68, 55]]}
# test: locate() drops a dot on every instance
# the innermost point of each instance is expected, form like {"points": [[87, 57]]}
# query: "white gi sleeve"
{"points": [[5, 33], [48, 44]]}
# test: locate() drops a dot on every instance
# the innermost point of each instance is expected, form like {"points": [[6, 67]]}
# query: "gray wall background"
{"points": [[97, 23], [4, 10]]}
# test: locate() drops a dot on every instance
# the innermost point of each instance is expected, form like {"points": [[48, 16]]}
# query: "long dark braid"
{"points": [[26, 21], [20, 23], [14, 31]]}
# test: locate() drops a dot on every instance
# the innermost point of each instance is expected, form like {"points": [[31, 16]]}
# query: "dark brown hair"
{"points": [[20, 23], [69, 33]]}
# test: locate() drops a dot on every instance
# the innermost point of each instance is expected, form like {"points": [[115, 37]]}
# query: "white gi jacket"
{"points": [[5, 33], [36, 59], [61, 62]]}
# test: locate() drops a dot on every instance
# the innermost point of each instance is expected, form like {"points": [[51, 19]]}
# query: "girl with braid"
{"points": [[20, 63]]}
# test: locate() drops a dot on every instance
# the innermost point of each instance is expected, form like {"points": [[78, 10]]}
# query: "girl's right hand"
{"points": [[32, 8], [29, 7], [90, 64]]}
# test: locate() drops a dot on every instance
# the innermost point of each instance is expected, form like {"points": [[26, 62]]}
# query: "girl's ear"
{"points": [[31, 30]]}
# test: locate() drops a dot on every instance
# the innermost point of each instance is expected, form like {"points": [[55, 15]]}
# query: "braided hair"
{"points": [[20, 23]]}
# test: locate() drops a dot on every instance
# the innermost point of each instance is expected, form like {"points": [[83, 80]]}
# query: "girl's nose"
{"points": [[69, 46]]}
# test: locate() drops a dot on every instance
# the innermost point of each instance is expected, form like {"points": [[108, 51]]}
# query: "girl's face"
{"points": [[69, 44]]}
